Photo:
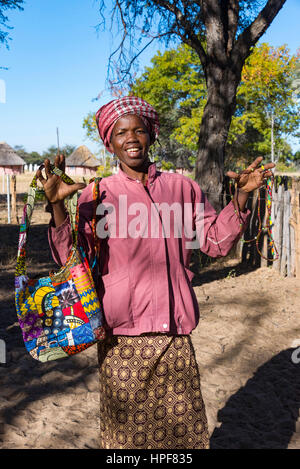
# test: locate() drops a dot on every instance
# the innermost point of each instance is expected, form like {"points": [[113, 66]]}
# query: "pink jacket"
{"points": [[145, 279]]}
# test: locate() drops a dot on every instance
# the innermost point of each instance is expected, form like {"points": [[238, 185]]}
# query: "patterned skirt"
{"points": [[150, 396]]}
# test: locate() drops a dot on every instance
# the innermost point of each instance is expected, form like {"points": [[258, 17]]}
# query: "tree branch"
{"points": [[126, 72], [249, 37], [188, 37], [233, 18]]}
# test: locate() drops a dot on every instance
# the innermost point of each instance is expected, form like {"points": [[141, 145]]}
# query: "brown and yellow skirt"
{"points": [[150, 396]]}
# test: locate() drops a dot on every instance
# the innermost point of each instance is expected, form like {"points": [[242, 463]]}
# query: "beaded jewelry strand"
{"points": [[269, 224]]}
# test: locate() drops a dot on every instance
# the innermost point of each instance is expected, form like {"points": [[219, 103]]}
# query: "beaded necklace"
{"points": [[269, 224]]}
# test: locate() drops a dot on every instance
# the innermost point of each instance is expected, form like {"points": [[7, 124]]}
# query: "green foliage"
{"points": [[265, 94], [167, 165], [283, 168], [90, 126], [33, 157], [104, 170], [91, 132], [296, 156]]}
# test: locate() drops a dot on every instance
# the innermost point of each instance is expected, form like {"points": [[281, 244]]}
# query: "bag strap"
{"points": [[34, 190], [96, 201]]}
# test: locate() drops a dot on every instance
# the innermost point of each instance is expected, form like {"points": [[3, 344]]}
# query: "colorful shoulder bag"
{"points": [[59, 315]]}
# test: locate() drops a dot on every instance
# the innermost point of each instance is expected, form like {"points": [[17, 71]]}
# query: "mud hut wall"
{"points": [[81, 171], [13, 169]]}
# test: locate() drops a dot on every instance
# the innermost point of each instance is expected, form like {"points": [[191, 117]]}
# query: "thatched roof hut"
{"points": [[10, 161], [82, 162]]}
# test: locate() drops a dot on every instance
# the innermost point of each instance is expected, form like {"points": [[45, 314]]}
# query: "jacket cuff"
{"points": [[241, 219]]}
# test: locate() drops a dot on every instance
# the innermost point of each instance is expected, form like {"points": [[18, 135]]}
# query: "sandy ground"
{"points": [[244, 342]]}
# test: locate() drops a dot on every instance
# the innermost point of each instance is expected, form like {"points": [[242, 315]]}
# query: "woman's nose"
{"points": [[131, 136]]}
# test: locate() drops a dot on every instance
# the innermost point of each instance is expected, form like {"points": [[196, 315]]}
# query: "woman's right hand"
{"points": [[56, 190]]}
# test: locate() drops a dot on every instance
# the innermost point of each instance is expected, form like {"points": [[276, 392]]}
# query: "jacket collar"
{"points": [[152, 173]]}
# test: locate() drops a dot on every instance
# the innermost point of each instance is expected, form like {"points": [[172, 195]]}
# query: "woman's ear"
{"points": [[111, 147]]}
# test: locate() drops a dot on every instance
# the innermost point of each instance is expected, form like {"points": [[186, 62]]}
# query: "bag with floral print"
{"points": [[59, 315]]}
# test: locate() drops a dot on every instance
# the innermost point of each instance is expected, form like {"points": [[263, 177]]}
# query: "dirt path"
{"points": [[244, 344]]}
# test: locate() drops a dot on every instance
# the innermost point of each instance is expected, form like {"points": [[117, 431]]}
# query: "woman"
{"points": [[150, 394]]}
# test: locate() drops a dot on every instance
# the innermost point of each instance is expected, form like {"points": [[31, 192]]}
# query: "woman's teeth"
{"points": [[133, 151]]}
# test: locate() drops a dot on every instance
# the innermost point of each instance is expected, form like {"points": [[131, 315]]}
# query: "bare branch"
{"points": [[249, 37], [184, 29], [126, 72]]}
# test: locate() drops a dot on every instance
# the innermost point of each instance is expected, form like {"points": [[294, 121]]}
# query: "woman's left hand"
{"points": [[253, 177]]}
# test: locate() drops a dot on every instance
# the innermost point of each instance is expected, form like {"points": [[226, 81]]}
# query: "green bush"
{"points": [[283, 168]]}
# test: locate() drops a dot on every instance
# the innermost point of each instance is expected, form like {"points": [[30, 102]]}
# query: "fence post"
{"points": [[295, 224], [278, 215], [8, 197], [264, 244], [2, 351], [284, 261], [14, 199]]}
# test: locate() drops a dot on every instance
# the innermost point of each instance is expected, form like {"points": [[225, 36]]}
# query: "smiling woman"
{"points": [[150, 393]]}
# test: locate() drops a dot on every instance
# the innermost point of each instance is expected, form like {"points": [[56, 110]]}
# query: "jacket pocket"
{"points": [[117, 299], [186, 304]]}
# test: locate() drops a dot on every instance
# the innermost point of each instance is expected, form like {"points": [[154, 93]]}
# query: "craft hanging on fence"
{"points": [[269, 224]]}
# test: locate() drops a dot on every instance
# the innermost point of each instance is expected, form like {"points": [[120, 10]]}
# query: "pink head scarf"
{"points": [[107, 116]]}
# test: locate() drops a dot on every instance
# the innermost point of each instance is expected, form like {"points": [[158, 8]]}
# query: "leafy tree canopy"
{"points": [[175, 85]]}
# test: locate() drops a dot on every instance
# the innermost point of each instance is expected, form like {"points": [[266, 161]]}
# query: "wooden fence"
{"points": [[285, 215]]}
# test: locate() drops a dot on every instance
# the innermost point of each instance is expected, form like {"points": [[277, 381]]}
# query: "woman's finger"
{"points": [[268, 174], [75, 187], [255, 163], [62, 163], [47, 168], [267, 166], [79, 186], [270, 165], [57, 161], [40, 176], [232, 174]]}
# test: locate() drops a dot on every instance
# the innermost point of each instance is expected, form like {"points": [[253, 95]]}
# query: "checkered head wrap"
{"points": [[107, 116]]}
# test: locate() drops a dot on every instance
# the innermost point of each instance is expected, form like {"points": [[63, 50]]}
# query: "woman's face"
{"points": [[130, 141]]}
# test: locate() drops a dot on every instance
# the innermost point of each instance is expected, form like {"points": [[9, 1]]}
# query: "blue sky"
{"points": [[58, 63]]}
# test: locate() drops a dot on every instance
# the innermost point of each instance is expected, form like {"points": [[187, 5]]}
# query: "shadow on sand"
{"points": [[263, 413]]}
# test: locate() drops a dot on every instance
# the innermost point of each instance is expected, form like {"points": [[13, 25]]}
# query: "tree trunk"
{"points": [[218, 112]]}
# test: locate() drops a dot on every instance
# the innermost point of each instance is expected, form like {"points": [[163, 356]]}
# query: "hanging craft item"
{"points": [[59, 315], [269, 224]]}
